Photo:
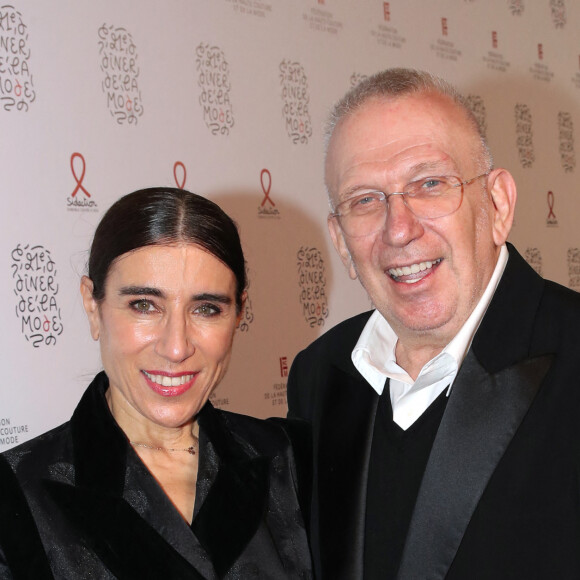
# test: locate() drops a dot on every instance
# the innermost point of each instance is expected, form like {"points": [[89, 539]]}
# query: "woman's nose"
{"points": [[175, 341]]}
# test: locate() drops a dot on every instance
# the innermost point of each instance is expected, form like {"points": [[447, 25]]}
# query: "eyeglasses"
{"points": [[427, 198]]}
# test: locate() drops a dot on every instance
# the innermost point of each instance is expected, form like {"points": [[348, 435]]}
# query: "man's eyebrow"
{"points": [[141, 291], [429, 166]]}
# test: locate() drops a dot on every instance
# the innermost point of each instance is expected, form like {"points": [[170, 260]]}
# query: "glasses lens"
{"points": [[434, 197], [363, 214], [428, 198]]}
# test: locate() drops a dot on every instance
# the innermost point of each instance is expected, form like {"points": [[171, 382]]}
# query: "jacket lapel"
{"points": [[119, 535], [126, 544], [483, 413], [234, 507], [346, 429]]}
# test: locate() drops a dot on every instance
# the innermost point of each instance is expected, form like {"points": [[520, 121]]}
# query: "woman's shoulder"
{"points": [[267, 436], [38, 457]]}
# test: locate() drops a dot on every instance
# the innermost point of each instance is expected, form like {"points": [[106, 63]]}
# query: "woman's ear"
{"points": [[241, 312], [91, 307]]}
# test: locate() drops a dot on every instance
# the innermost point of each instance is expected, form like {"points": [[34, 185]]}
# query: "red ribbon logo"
{"points": [[266, 188], [79, 180], [180, 184], [551, 215]]}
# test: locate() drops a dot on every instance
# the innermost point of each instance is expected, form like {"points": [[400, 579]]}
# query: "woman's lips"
{"points": [[169, 384]]}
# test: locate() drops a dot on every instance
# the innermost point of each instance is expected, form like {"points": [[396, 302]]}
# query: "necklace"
{"points": [[190, 450]]}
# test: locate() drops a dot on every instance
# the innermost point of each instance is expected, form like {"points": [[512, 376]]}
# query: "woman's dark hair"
{"points": [[164, 216]]}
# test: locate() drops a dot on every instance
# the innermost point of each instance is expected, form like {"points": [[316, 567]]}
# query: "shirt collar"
{"points": [[374, 353]]}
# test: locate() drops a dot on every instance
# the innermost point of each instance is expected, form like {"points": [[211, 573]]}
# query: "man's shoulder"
{"points": [[560, 310], [342, 336]]}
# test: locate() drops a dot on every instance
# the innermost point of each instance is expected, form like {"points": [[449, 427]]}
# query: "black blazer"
{"points": [[500, 497], [77, 502]]}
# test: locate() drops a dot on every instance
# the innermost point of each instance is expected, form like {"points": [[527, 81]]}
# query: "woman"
{"points": [[147, 480]]}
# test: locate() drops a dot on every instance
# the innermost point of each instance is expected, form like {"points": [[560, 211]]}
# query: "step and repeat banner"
{"points": [[228, 99]]}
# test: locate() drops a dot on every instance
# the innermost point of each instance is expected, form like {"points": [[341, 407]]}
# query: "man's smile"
{"points": [[414, 272]]}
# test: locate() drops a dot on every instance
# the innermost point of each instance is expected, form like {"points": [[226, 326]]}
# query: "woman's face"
{"points": [[165, 327]]}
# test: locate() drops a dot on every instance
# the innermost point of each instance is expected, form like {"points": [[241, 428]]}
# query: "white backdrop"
{"points": [[227, 98]]}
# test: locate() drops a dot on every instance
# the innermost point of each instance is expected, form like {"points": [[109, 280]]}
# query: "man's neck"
{"points": [[413, 357]]}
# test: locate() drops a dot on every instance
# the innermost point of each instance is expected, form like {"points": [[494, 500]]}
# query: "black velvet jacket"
{"points": [[500, 496], [77, 502]]}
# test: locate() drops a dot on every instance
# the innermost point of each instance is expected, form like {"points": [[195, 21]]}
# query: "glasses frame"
{"points": [[337, 214]]}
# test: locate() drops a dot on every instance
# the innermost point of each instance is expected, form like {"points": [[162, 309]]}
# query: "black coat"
{"points": [[500, 496], [77, 502]]}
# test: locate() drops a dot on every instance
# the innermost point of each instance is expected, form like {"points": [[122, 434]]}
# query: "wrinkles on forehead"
{"points": [[400, 138]]}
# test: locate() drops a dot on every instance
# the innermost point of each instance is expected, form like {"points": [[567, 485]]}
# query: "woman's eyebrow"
{"points": [[221, 298], [141, 291]]}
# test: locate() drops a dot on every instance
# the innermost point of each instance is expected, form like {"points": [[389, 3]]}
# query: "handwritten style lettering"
{"points": [[312, 282], [214, 82], [524, 135], [36, 288], [566, 138], [296, 100], [118, 62], [16, 86]]}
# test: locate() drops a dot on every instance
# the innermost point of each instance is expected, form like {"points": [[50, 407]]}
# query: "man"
{"points": [[446, 423]]}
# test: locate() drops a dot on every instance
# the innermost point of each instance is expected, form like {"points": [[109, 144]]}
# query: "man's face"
{"points": [[382, 147]]}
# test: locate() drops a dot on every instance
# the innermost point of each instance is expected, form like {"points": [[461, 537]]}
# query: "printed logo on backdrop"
{"points": [[566, 141], [296, 99], [516, 7], [533, 257], [443, 48], [283, 366], [16, 86], [248, 312], [118, 61], [356, 78], [576, 77], [387, 34], [524, 135], [477, 106], [322, 20], [252, 7], [179, 174], [214, 82], [80, 199], [36, 288], [12, 433], [551, 219], [312, 282], [219, 402], [574, 268], [558, 11], [267, 209], [494, 59], [541, 71], [277, 396]]}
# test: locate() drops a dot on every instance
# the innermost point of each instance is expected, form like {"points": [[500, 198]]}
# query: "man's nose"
{"points": [[401, 225]]}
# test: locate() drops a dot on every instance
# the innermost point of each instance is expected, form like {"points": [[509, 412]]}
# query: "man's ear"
{"points": [[91, 307], [503, 193], [339, 243]]}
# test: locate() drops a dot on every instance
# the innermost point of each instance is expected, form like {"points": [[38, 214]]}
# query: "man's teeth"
{"points": [[412, 269], [166, 381]]}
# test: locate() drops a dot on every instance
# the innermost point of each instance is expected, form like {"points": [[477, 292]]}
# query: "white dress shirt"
{"points": [[374, 357]]}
